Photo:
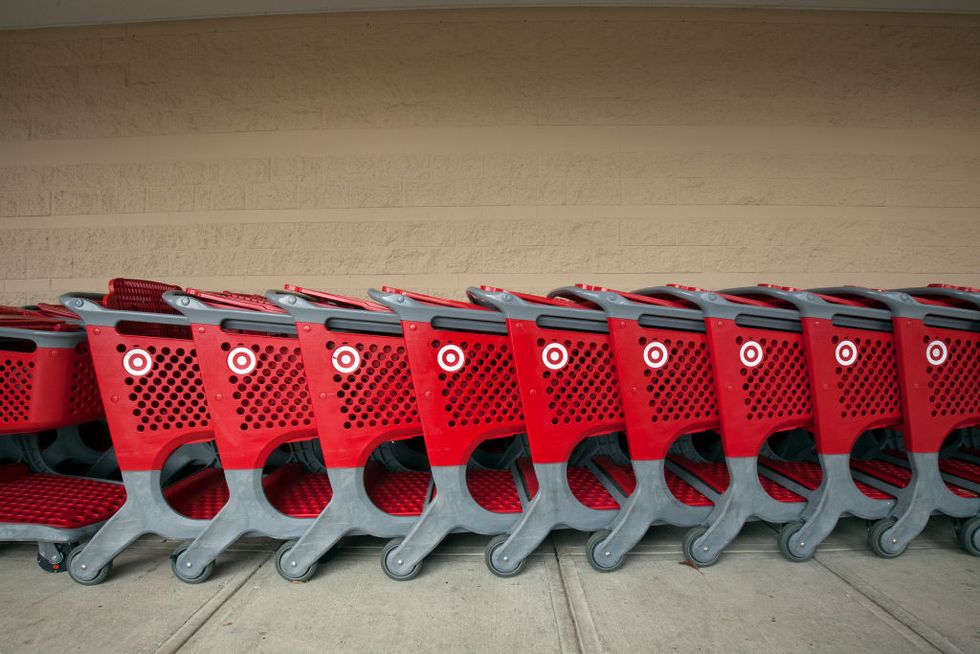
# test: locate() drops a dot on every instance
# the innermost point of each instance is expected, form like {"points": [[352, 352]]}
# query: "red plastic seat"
{"points": [[898, 476], [810, 475]]}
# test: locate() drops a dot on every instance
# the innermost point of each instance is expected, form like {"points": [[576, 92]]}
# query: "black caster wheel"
{"points": [[387, 562], [787, 535], [597, 558], [73, 571], [702, 558], [969, 535], [289, 573], [180, 572], [876, 539], [64, 549], [492, 546]]}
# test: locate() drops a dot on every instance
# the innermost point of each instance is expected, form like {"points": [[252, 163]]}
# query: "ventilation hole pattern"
{"points": [[274, 395], [171, 396], [684, 388], [869, 387], [484, 391], [779, 387], [585, 390], [380, 392], [83, 392], [16, 385], [954, 386]]}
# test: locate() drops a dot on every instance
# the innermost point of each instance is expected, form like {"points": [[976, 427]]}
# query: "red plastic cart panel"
{"points": [[810, 475], [56, 501], [626, 480]]}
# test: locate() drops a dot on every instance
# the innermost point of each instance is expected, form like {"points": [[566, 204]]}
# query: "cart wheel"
{"points": [[386, 562], [787, 534], [292, 574], [64, 549], [969, 535], [496, 542], [698, 557], [94, 581], [182, 574], [597, 559], [876, 536]]}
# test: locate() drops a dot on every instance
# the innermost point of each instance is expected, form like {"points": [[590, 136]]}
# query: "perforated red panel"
{"points": [[16, 384], [199, 496], [295, 492], [716, 476], [494, 490], [379, 393], [398, 493], [962, 469], [84, 401], [585, 486], [170, 397], [56, 500], [586, 389], [626, 480], [484, 391], [897, 475], [777, 388], [869, 387], [810, 475], [954, 385], [274, 396], [684, 388]]}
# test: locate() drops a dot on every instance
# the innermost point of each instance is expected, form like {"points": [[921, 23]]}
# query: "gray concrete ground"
{"points": [[753, 600]]}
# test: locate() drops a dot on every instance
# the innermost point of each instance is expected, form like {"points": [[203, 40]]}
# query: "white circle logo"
{"points": [[137, 362], [846, 353], [554, 356], [750, 354], [936, 353], [655, 354], [242, 361], [345, 359], [450, 358]]}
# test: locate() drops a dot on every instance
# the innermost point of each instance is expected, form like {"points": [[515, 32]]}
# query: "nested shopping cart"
{"points": [[853, 371], [569, 390], [762, 386], [46, 382], [255, 382], [362, 395], [668, 392], [150, 382], [463, 365], [937, 340]]}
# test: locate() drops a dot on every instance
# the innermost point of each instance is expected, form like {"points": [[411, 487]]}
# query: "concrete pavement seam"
{"points": [[578, 604], [911, 625], [199, 618]]}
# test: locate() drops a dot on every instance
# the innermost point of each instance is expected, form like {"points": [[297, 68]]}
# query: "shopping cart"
{"points": [[569, 391], [46, 382], [255, 380], [363, 397], [462, 361], [937, 339], [762, 387], [150, 382], [667, 390], [853, 371]]}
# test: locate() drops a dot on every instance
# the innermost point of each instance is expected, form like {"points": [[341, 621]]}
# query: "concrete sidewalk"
{"points": [[753, 600]]}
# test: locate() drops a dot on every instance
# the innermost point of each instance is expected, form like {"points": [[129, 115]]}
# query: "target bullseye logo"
{"points": [[846, 353], [936, 353], [655, 355], [554, 356], [450, 358], [137, 362], [242, 361], [750, 354], [345, 359]]}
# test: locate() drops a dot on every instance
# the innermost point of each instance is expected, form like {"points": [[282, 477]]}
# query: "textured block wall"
{"points": [[524, 148]]}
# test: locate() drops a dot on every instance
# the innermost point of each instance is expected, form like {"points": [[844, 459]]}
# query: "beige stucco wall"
{"points": [[523, 148]]}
